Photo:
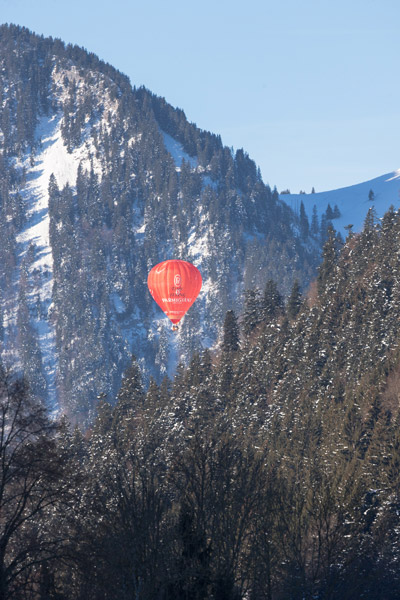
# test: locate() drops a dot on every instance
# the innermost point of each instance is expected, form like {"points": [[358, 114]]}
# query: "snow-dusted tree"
{"points": [[252, 313], [329, 258], [130, 398], [272, 302], [294, 301], [230, 341]]}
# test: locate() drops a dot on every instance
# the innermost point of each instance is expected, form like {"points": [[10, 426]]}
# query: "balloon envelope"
{"points": [[174, 285]]}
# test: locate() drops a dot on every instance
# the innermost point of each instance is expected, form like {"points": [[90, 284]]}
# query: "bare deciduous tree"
{"points": [[31, 484]]}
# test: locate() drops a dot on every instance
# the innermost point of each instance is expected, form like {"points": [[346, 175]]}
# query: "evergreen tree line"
{"points": [[266, 470]]}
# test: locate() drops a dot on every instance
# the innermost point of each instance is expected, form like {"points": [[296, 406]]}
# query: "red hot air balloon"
{"points": [[174, 285]]}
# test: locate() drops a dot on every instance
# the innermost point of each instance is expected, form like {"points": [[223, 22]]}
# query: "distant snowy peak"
{"points": [[353, 202]]}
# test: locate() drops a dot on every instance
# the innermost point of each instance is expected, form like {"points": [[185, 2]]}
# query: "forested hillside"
{"points": [[100, 181], [268, 470]]}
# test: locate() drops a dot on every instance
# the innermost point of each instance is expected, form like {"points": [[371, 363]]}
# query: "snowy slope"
{"points": [[51, 158], [177, 152], [353, 202]]}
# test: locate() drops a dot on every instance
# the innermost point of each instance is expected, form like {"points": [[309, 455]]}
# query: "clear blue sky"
{"points": [[310, 89]]}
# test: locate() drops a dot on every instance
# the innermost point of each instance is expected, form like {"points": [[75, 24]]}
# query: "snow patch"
{"points": [[53, 158], [198, 246], [177, 152]]}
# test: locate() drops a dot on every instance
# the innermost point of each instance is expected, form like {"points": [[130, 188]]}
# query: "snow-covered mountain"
{"points": [[353, 202], [99, 182]]}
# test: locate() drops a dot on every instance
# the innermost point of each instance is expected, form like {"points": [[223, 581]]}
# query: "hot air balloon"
{"points": [[174, 285]]}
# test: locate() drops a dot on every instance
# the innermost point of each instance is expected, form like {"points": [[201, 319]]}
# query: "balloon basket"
{"points": [[175, 328]]}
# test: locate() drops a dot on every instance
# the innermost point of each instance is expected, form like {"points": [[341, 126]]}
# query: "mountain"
{"points": [[100, 181], [353, 202]]}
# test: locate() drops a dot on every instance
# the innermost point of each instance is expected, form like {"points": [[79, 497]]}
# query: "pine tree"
{"points": [[329, 258], [294, 301], [314, 229], [104, 418], [323, 230], [304, 224], [131, 396], [230, 341], [252, 314], [272, 302], [329, 213], [369, 237]]}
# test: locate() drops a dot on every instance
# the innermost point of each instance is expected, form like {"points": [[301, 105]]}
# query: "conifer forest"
{"points": [[255, 455]]}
